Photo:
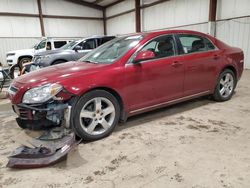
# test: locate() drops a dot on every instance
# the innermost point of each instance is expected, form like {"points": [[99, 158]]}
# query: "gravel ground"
{"points": [[198, 144]]}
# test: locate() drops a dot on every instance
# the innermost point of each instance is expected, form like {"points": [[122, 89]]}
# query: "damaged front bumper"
{"points": [[41, 116], [44, 153]]}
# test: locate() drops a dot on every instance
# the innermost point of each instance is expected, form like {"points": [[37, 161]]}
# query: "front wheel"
{"points": [[23, 61], [95, 115], [225, 86]]}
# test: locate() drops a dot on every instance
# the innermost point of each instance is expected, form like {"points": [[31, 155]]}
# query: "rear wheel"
{"points": [[225, 86], [95, 115]]}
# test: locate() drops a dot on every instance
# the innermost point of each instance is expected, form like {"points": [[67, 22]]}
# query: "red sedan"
{"points": [[126, 76]]}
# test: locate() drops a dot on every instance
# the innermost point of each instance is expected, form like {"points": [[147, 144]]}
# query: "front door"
{"points": [[156, 80]]}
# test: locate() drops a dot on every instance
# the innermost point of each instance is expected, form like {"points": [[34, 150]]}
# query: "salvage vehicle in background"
{"points": [[69, 52], [124, 77], [25, 55]]}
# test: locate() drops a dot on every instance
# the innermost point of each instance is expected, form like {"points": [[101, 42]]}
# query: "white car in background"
{"points": [[18, 57]]}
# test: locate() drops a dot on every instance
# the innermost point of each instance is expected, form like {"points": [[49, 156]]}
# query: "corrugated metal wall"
{"points": [[235, 31], [23, 32], [8, 44], [123, 24], [174, 13], [71, 27]]}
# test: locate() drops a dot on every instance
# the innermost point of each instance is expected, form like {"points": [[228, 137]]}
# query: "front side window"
{"points": [[88, 44], [112, 50], [41, 45], [79, 46], [163, 46], [193, 43]]}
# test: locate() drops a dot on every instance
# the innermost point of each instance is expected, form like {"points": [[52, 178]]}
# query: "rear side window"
{"points": [[209, 44], [193, 44], [59, 44]]}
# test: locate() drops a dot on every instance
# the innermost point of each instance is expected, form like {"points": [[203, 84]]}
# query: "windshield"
{"points": [[70, 45], [112, 50]]}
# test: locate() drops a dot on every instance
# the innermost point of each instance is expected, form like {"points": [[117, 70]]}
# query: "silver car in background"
{"points": [[69, 52]]}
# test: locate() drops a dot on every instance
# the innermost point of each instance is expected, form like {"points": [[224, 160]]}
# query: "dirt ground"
{"points": [[196, 144]]}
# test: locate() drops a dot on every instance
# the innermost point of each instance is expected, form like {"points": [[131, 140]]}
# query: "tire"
{"points": [[22, 61], [14, 71], [95, 115], [225, 86], [58, 62]]}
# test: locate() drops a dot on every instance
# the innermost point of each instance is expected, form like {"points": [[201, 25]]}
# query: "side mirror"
{"points": [[77, 48], [144, 55]]}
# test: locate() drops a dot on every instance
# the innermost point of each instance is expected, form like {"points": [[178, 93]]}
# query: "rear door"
{"points": [[200, 59]]}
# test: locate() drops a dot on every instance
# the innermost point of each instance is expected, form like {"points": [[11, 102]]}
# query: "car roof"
{"points": [[163, 32], [94, 37], [176, 32]]}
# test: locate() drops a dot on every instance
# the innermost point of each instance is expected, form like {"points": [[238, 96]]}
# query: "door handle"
{"points": [[176, 64], [216, 57]]}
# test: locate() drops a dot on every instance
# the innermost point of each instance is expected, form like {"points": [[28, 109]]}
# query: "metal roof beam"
{"points": [[87, 4]]}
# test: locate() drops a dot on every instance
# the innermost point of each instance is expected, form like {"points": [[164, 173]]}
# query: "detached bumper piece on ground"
{"points": [[45, 152]]}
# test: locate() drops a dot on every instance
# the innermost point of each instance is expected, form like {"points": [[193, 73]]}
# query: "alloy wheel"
{"points": [[226, 85], [97, 115]]}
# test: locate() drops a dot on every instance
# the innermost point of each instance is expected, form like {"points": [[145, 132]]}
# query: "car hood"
{"points": [[58, 73], [24, 51], [51, 52]]}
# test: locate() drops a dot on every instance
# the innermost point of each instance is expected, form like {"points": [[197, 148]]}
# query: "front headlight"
{"points": [[41, 94]]}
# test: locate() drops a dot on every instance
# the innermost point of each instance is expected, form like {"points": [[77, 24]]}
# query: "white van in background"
{"points": [[18, 57]]}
